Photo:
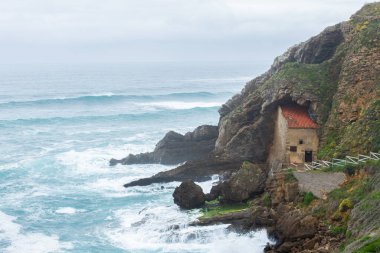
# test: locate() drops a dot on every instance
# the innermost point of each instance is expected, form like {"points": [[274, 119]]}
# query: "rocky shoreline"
{"points": [[299, 224], [176, 148], [335, 74]]}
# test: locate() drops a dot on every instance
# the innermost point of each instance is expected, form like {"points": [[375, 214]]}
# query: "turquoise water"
{"points": [[60, 125]]}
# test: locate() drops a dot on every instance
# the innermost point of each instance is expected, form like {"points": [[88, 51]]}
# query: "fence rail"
{"points": [[320, 164]]}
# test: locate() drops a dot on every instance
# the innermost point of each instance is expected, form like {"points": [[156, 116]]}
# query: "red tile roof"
{"points": [[298, 117]]}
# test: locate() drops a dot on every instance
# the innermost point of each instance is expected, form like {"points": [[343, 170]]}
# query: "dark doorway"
{"points": [[308, 156]]}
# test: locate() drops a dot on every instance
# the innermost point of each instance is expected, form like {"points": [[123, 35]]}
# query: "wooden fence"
{"points": [[320, 164]]}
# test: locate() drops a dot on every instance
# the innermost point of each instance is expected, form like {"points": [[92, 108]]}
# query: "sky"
{"points": [[161, 30]]}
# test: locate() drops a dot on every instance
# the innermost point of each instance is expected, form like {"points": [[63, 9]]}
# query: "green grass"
{"points": [[308, 198], [365, 238], [356, 190], [372, 247], [338, 230], [267, 201], [219, 209]]}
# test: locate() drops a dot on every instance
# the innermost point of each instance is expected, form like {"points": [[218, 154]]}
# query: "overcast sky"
{"points": [[161, 30]]}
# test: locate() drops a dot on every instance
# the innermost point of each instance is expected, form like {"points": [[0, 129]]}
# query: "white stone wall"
{"points": [[310, 139], [278, 150]]}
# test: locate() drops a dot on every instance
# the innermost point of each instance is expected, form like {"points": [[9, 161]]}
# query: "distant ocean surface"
{"points": [[60, 125]]}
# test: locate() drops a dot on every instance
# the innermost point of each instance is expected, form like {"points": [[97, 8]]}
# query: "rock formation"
{"points": [[335, 74], [247, 182], [200, 170], [189, 195], [176, 148]]}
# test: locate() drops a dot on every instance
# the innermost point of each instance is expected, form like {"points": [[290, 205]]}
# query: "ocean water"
{"points": [[60, 125]]}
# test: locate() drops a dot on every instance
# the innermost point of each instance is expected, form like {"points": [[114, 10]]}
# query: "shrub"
{"points": [[308, 198], [338, 230], [345, 205], [267, 200]]}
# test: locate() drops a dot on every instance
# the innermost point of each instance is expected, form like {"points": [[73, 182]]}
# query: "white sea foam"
{"points": [[179, 105], [164, 228], [67, 210], [96, 160], [10, 233], [159, 226], [253, 242], [207, 185]]}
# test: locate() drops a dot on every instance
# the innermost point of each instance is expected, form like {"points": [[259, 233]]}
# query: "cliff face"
{"points": [[336, 74]]}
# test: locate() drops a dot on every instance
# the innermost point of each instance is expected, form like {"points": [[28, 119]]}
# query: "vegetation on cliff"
{"points": [[336, 74]]}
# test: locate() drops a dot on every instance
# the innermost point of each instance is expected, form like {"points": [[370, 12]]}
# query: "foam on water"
{"points": [[11, 235], [165, 229], [180, 105], [67, 210], [60, 126]]}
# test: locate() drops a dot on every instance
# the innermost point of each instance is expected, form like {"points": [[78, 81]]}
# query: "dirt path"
{"points": [[319, 183]]}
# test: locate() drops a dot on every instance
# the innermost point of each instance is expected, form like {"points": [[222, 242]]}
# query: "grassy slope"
{"points": [[363, 45]]}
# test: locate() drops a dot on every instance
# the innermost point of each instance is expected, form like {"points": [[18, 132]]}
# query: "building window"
{"points": [[300, 141], [293, 148]]}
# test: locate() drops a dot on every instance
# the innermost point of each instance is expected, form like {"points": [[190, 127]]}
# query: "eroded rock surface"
{"points": [[248, 181], [176, 148], [201, 170], [189, 195]]}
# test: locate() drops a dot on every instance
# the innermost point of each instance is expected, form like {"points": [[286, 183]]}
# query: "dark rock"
{"points": [[189, 195], [291, 191], [192, 170], [176, 148], [286, 247], [214, 192], [268, 247], [293, 224], [239, 217], [262, 216], [247, 182]]}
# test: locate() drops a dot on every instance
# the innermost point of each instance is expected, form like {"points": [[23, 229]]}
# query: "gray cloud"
{"points": [[129, 30]]}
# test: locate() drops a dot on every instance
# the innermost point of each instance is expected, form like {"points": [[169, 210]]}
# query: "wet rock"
{"points": [[248, 181], [189, 195], [176, 148], [263, 216], [214, 192], [201, 170], [240, 217]]}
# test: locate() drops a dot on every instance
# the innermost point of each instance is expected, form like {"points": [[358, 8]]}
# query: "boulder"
{"points": [[189, 195], [176, 148], [262, 216], [214, 192], [293, 224], [248, 181]]}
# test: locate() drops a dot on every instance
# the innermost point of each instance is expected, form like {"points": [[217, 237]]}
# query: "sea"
{"points": [[60, 124]]}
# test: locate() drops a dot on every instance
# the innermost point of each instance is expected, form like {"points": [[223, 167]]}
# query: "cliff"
{"points": [[336, 74]]}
